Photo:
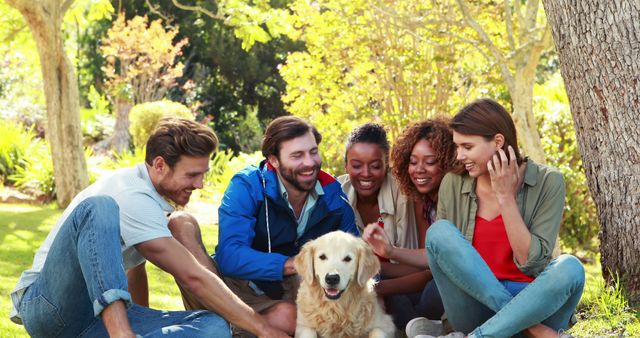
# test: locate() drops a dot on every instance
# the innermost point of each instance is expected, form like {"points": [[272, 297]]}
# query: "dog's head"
{"points": [[335, 261]]}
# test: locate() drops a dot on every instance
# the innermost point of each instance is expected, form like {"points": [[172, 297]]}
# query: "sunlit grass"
{"points": [[603, 310]]}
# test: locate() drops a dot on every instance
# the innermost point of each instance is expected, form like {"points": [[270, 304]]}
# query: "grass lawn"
{"points": [[603, 311]]}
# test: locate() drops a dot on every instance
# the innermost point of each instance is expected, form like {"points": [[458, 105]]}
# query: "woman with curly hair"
{"points": [[491, 249], [403, 204]]}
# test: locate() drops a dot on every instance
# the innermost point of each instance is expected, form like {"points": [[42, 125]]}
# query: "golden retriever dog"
{"points": [[336, 296]]}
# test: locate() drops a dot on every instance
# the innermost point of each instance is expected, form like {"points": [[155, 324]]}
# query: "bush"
{"points": [[15, 143], [36, 176], [144, 118], [97, 123], [222, 168]]}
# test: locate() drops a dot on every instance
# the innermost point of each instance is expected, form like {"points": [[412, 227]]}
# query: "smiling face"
{"points": [[178, 183], [474, 151], [366, 168], [298, 163], [424, 170]]}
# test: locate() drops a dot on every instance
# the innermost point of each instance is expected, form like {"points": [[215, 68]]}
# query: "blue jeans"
{"points": [[84, 273], [478, 303], [405, 307]]}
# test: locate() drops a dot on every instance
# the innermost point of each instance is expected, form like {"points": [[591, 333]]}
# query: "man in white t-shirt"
{"points": [[78, 287]]}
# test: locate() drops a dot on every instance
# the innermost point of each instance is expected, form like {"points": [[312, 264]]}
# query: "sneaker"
{"points": [[450, 335], [423, 326]]}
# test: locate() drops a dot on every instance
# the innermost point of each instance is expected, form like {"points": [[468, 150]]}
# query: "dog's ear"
{"points": [[304, 262], [368, 263]]}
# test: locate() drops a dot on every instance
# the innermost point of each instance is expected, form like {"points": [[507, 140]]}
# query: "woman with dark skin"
{"points": [[421, 156]]}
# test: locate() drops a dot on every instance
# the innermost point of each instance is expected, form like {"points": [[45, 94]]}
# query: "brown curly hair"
{"points": [[439, 135]]}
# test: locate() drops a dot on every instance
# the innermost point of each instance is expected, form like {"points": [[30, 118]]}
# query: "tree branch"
{"points": [[200, 9], [509, 24], [486, 40], [155, 10]]}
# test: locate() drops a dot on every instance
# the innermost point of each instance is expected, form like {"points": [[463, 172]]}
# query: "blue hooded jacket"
{"points": [[243, 240]]}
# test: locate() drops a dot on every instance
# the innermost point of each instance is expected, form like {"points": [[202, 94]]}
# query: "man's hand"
{"points": [[271, 332], [378, 240], [289, 269]]}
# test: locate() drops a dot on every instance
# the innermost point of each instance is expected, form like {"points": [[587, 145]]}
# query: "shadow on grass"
{"points": [[22, 230]]}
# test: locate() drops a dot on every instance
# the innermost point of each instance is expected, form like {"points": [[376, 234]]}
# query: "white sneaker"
{"points": [[423, 326], [450, 335]]}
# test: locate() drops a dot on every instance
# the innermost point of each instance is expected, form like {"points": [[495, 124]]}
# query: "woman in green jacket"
{"points": [[490, 252]]}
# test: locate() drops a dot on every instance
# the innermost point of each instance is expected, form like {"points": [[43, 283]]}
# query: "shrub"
{"points": [[97, 123], [144, 118], [36, 176], [222, 168], [15, 142]]}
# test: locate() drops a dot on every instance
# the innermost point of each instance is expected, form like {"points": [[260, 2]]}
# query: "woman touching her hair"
{"points": [[490, 251]]}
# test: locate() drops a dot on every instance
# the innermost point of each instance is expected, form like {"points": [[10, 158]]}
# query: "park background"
{"points": [[116, 67]]}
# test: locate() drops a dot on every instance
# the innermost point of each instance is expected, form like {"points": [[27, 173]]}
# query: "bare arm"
{"points": [[169, 255], [414, 282], [393, 270], [381, 245], [139, 285], [115, 320]]}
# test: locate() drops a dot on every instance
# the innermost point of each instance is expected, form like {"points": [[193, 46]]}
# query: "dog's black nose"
{"points": [[332, 278]]}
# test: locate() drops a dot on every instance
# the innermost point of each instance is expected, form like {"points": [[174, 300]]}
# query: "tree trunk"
{"points": [[522, 100], [61, 92], [120, 140], [597, 42]]}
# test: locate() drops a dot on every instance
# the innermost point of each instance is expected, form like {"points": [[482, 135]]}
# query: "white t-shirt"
{"points": [[143, 217]]}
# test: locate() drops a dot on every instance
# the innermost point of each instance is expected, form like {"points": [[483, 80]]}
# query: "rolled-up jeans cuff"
{"points": [[475, 334], [109, 297]]}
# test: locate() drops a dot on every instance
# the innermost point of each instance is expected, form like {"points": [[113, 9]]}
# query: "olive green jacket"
{"points": [[540, 200]]}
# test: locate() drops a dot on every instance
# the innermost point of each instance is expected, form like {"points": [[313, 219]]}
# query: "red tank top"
{"points": [[491, 241]]}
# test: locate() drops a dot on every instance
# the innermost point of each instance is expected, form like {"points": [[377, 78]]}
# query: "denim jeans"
{"points": [[478, 303], [405, 307], [84, 273]]}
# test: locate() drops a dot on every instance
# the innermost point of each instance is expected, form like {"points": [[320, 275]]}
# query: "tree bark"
{"points": [[61, 92], [597, 42]]}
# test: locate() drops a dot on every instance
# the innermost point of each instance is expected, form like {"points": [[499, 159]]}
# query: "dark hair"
{"points": [[285, 128], [174, 137], [486, 118], [372, 133], [437, 132]]}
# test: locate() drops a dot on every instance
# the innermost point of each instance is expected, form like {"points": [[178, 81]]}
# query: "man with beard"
{"points": [[78, 286], [267, 213]]}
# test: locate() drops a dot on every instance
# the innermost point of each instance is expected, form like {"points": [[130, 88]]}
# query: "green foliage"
{"points": [[124, 159], [16, 142], [603, 309], [373, 61], [580, 225], [36, 175], [222, 168], [97, 123], [144, 118]]}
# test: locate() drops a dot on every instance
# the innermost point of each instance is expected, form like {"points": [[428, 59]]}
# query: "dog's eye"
{"points": [[322, 257], [347, 259]]}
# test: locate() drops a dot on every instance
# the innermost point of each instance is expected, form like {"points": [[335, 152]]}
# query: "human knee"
{"points": [[440, 234], [182, 224], [283, 316], [568, 271], [102, 205]]}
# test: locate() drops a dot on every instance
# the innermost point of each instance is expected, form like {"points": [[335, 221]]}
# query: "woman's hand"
{"points": [[505, 175], [378, 240]]}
